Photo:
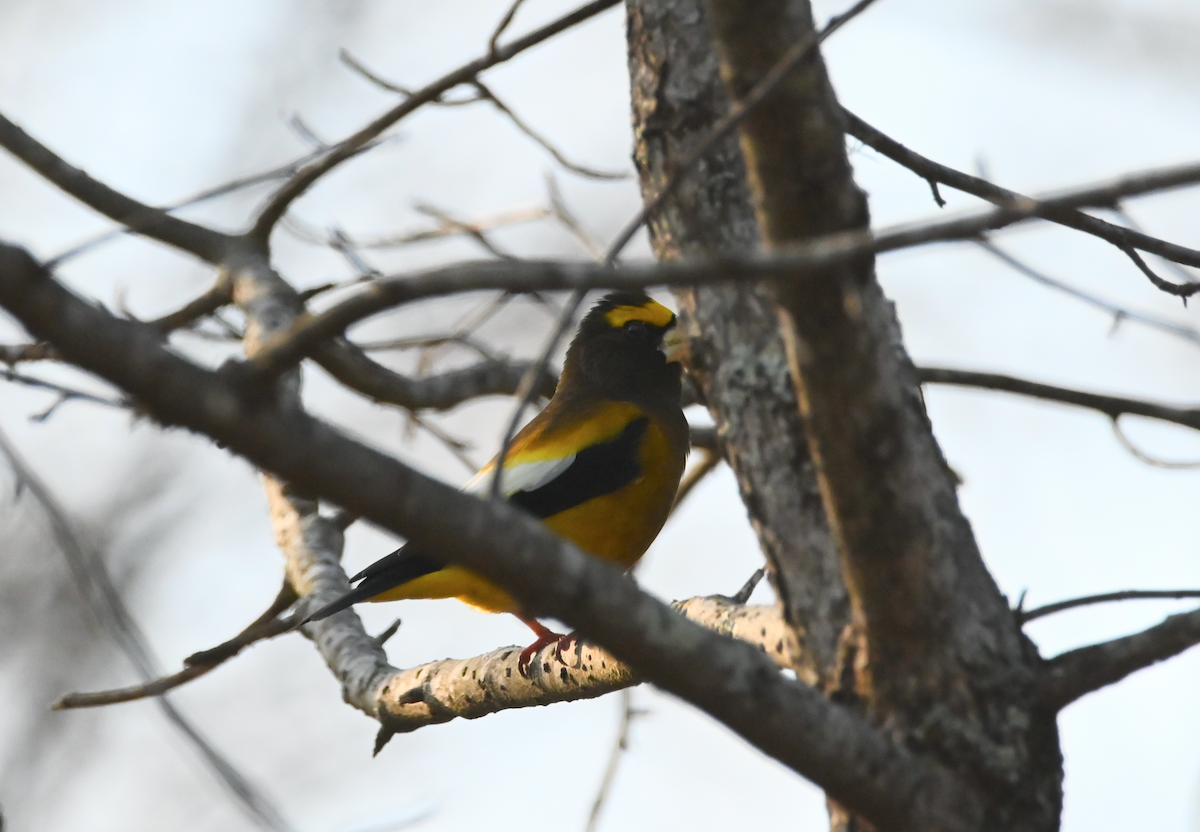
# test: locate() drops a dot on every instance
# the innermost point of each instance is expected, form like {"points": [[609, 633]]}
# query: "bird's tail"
{"points": [[361, 593]]}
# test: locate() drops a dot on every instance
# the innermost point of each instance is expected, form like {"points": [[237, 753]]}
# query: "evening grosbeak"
{"points": [[600, 465]]}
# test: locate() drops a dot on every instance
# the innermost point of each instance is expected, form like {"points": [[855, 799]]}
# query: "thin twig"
{"points": [[91, 575], [285, 196], [486, 94], [1111, 406], [443, 230], [1119, 211], [65, 393], [1075, 673], [628, 712], [1125, 595], [1119, 313], [205, 243], [206, 304], [742, 596], [709, 460], [391, 86], [1125, 239], [794, 262], [457, 226], [729, 122], [233, 186], [192, 670], [503, 24], [563, 213], [1143, 457]]}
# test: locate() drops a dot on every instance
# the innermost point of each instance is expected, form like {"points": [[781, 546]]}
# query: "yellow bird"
{"points": [[600, 465]]}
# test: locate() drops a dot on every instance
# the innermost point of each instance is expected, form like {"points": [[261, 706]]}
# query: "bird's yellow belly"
{"points": [[617, 527]]}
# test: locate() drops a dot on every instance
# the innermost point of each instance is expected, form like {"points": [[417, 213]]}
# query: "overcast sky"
{"points": [[164, 99]]}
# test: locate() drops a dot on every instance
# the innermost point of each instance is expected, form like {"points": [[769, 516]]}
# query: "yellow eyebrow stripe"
{"points": [[653, 313]]}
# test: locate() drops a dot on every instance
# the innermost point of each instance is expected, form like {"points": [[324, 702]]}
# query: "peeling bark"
{"points": [[736, 352], [934, 654]]}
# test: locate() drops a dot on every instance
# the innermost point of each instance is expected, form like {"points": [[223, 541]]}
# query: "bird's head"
{"points": [[627, 346]]}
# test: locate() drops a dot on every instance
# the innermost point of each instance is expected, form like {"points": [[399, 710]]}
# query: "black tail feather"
{"points": [[400, 567]]}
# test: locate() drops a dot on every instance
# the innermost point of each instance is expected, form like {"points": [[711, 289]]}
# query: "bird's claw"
{"points": [[561, 644]]}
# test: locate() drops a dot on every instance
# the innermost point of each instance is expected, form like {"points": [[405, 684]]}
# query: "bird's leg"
{"points": [[564, 644], [544, 635]]}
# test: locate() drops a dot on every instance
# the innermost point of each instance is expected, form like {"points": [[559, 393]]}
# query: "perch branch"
{"points": [[829, 743]]}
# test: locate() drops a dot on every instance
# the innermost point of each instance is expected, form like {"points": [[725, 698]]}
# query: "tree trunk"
{"points": [[916, 633]]}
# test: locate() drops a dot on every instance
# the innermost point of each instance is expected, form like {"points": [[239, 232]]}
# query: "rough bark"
{"points": [[548, 576], [736, 353], [939, 658]]}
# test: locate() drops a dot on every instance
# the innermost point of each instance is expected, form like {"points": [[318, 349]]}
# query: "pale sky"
{"points": [[162, 99]]}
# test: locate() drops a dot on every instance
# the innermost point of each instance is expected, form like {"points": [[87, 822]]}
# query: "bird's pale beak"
{"points": [[674, 344]]}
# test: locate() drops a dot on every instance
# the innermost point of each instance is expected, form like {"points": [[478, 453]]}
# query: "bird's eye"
{"points": [[637, 329]]}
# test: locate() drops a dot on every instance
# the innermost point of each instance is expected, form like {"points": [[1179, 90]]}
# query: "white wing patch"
{"points": [[526, 476]]}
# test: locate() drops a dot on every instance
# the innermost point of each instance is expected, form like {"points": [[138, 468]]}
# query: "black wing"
{"points": [[597, 470]]}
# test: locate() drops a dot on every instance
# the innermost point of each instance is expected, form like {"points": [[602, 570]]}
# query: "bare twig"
{"points": [[195, 666], [503, 25], [1078, 672], [563, 213], [743, 594], [443, 230], [794, 262], [204, 243], [486, 94], [91, 575], [1119, 313], [1111, 406], [1119, 211], [65, 393], [300, 183], [737, 112], [233, 186], [206, 304], [1145, 458], [1107, 597], [628, 712], [349, 365], [1126, 239], [709, 460], [459, 227]]}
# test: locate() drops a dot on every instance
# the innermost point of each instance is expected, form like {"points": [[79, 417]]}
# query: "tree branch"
{"points": [[346, 148], [1125, 595], [1111, 406], [548, 576], [793, 261], [210, 246], [470, 688], [1073, 674], [353, 368], [268, 625], [1126, 239]]}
